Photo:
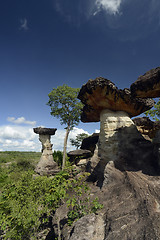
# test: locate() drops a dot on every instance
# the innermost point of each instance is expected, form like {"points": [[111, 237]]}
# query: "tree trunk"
{"points": [[65, 147]]}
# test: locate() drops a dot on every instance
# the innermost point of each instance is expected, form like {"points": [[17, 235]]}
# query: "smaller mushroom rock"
{"points": [[101, 94], [147, 85], [46, 165], [79, 153]]}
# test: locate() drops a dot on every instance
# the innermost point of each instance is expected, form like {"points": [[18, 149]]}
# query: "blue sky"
{"points": [[46, 43]]}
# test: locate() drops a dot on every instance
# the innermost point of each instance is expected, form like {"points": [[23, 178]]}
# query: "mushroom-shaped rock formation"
{"points": [[101, 94], [147, 85], [77, 154], [119, 139], [46, 165]]}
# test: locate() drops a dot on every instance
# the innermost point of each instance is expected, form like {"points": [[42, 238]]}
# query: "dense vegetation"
{"points": [[27, 201]]}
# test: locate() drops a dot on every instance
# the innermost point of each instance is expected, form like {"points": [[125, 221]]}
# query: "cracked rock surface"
{"points": [[101, 93]]}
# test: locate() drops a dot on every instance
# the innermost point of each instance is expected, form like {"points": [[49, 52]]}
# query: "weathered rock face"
{"points": [[122, 143], [46, 165], [147, 85], [101, 93], [146, 126], [131, 209], [156, 144], [111, 122], [88, 227]]}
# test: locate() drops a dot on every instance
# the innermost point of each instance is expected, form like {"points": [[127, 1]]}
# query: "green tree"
{"points": [[65, 106], [155, 112], [78, 140]]}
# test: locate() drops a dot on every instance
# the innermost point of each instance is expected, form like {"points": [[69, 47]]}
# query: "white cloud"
{"points": [[24, 24], [23, 138], [111, 6], [18, 138], [58, 138], [20, 120], [80, 11], [97, 131]]}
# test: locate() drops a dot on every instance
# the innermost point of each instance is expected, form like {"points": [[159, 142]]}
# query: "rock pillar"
{"points": [[46, 165], [109, 140], [121, 144]]}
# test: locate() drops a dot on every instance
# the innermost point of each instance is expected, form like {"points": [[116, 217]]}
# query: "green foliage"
{"points": [[80, 203], [155, 112], [58, 156], [14, 156], [78, 141], [65, 105], [26, 200]]}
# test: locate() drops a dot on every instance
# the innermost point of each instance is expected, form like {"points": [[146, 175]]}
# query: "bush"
{"points": [[58, 156], [24, 202], [27, 201]]}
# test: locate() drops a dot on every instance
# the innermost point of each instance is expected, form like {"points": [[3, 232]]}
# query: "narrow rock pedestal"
{"points": [[46, 166]]}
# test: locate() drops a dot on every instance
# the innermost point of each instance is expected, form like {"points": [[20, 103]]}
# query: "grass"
{"points": [[14, 156], [13, 164]]}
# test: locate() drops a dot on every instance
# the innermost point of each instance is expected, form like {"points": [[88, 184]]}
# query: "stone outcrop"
{"points": [[90, 142], [147, 85], [119, 139], [147, 127], [101, 93], [131, 209], [122, 143], [46, 165], [126, 169], [89, 227]]}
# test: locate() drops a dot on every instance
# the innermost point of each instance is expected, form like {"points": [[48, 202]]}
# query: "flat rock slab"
{"points": [[45, 131], [79, 153]]}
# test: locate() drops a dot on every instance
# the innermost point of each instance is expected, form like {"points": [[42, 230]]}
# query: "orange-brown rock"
{"points": [[146, 126], [101, 93]]}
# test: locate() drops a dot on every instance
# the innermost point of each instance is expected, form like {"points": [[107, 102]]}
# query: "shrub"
{"points": [[24, 202], [58, 156], [27, 201]]}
